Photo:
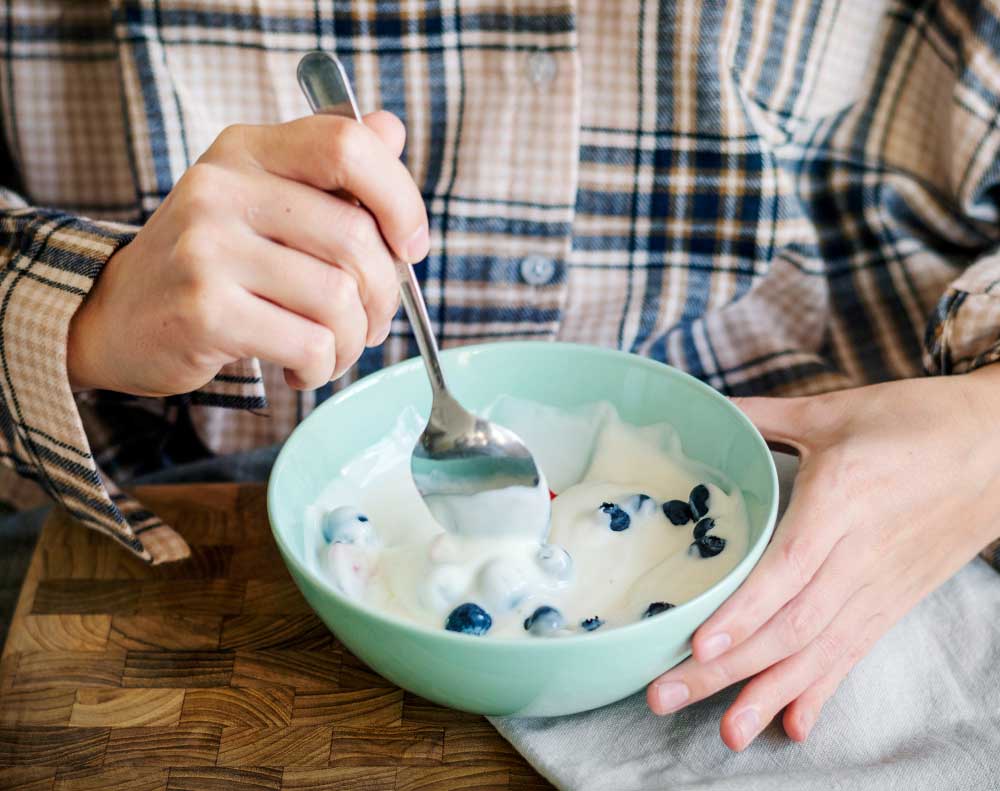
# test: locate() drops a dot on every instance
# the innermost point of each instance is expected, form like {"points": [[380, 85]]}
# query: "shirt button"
{"points": [[537, 270], [542, 67]]}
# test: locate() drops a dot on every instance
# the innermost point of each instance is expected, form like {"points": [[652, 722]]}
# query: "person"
{"points": [[795, 200]]}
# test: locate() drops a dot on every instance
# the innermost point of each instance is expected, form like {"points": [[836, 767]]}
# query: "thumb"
{"points": [[389, 128], [788, 422]]}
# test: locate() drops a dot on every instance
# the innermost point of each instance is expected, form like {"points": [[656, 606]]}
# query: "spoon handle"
{"points": [[325, 84]]}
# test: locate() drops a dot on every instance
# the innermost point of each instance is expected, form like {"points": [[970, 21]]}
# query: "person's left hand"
{"points": [[898, 487]]}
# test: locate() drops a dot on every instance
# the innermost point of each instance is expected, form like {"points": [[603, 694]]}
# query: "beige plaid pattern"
{"points": [[615, 139]]}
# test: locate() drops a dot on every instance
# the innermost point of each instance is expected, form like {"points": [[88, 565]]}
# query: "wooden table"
{"points": [[210, 674]]}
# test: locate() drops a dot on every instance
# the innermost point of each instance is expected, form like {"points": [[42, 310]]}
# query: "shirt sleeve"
{"points": [[964, 331], [49, 261]]}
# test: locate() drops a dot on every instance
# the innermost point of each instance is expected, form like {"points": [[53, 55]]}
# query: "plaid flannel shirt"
{"points": [[778, 197]]}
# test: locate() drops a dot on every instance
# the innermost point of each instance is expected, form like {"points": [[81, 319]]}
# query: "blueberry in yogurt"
{"points": [[469, 618], [347, 525], [619, 519], [677, 511], [703, 527], [592, 623], [544, 621], [710, 546], [698, 500], [656, 607]]}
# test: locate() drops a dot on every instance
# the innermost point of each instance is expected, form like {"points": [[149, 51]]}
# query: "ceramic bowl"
{"points": [[520, 676]]}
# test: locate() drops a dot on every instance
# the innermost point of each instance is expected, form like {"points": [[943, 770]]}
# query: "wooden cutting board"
{"points": [[210, 674]]}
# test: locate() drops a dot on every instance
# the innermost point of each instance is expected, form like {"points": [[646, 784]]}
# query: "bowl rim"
{"points": [[413, 629]]}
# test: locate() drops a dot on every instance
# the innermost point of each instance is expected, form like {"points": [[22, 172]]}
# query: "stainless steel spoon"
{"points": [[476, 477]]}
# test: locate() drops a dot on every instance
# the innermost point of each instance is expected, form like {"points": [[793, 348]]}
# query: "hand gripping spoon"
{"points": [[477, 478]]}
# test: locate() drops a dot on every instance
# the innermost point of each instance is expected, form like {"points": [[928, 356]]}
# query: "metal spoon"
{"points": [[476, 477]]}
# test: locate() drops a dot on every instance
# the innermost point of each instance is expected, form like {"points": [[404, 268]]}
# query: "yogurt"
{"points": [[636, 528]]}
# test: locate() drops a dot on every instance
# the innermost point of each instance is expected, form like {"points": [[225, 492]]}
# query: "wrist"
{"points": [[83, 341]]}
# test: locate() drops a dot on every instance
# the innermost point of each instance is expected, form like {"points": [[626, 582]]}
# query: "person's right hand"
{"points": [[252, 255]]}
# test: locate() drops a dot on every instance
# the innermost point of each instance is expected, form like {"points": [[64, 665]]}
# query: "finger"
{"points": [[782, 420], [768, 693], [331, 230], [261, 329], [334, 153], [802, 713], [389, 129], [791, 629], [315, 290], [802, 541]]}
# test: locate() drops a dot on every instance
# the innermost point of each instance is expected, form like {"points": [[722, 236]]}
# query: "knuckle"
{"points": [[231, 139], [199, 309], [829, 648], [796, 555], [318, 348], [801, 622], [360, 232], [191, 253], [721, 675], [353, 345], [347, 138], [200, 188]]}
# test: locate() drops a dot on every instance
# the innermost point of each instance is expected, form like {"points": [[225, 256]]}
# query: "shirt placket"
{"points": [[502, 210]]}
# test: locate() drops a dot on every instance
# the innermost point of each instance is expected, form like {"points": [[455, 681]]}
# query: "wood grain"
{"points": [[387, 746], [180, 669], [340, 778], [211, 674], [250, 707], [61, 632], [165, 632], [183, 745], [218, 778], [360, 707], [68, 669], [27, 778], [293, 746], [105, 778], [43, 706], [126, 708]]}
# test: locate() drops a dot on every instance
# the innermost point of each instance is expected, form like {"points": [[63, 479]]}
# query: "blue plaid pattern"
{"points": [[782, 198]]}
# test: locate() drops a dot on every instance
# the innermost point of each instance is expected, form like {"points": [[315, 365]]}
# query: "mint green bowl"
{"points": [[509, 676]]}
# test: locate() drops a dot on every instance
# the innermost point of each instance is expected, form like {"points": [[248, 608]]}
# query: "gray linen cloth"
{"points": [[921, 711]]}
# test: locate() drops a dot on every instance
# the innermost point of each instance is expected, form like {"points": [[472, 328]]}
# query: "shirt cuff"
{"points": [[52, 262], [964, 332]]}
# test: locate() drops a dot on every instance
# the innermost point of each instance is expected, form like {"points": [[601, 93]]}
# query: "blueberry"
{"points": [[619, 519], [698, 500], [656, 607], [469, 618], [592, 623], [710, 546], [347, 525], [703, 527], [544, 621], [677, 511], [555, 561]]}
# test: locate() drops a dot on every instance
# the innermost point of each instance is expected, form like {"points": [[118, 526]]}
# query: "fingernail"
{"points": [[747, 722], [417, 245], [671, 696], [715, 646]]}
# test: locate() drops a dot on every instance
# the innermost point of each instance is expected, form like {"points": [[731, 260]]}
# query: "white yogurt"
{"points": [[372, 536]]}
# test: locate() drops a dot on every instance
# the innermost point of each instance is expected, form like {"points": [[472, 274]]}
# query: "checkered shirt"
{"points": [[778, 197]]}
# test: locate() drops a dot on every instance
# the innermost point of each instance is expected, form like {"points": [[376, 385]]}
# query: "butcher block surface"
{"points": [[210, 674]]}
